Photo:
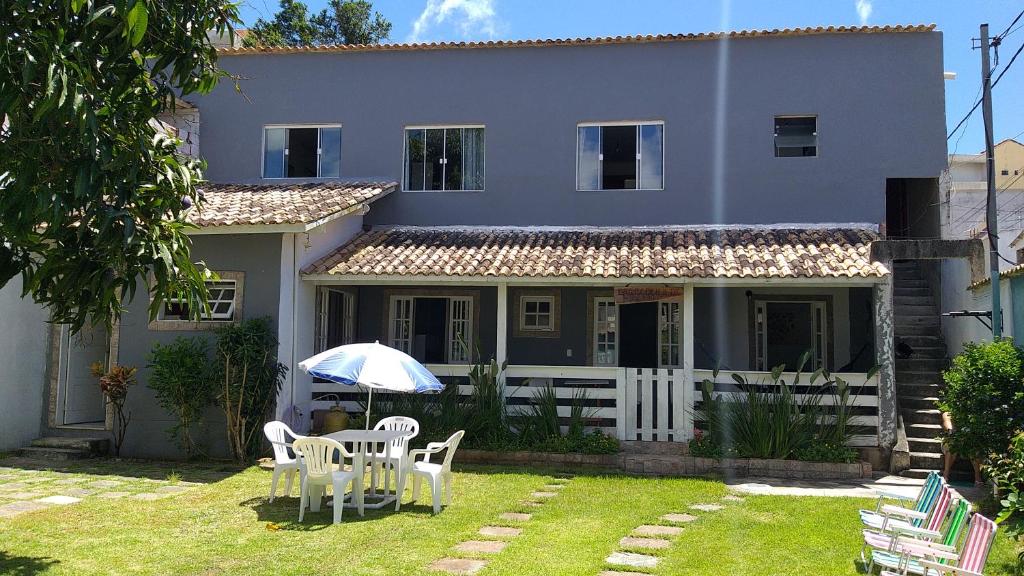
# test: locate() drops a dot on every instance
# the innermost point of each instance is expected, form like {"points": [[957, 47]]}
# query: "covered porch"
{"points": [[634, 319]]}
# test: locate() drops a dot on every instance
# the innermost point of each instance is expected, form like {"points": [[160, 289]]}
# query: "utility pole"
{"points": [[992, 223]]}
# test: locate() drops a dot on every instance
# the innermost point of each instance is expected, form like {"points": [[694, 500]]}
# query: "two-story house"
{"points": [[622, 214]]}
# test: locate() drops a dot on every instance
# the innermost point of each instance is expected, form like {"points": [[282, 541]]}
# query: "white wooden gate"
{"points": [[654, 404]]}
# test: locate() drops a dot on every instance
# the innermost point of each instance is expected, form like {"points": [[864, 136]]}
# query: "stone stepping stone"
{"points": [[649, 543], [554, 486], [732, 498], [78, 492], [618, 573], [36, 479], [531, 504], [8, 476], [13, 486], [24, 495], [653, 530], [150, 496], [458, 565], [481, 546], [172, 489], [105, 483], [61, 500], [13, 509], [516, 516], [544, 494], [679, 518], [113, 495], [707, 507], [500, 531], [67, 481], [632, 560]]}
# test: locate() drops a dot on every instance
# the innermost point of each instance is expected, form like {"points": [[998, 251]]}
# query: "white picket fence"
{"points": [[654, 404]]}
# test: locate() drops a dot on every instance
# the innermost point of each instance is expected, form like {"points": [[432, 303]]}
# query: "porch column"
{"points": [[685, 412], [285, 325], [501, 346], [887, 416]]}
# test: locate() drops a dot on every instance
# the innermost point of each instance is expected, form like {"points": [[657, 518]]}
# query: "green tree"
{"points": [[182, 380], [342, 22], [92, 192]]}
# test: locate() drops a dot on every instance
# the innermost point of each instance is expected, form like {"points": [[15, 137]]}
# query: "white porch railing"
{"points": [[630, 403]]}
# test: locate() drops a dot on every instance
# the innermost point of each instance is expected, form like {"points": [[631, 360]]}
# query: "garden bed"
{"points": [[678, 464]]}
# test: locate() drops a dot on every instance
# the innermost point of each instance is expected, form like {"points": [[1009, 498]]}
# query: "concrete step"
{"points": [[913, 301], [94, 445], [928, 460], [913, 364], [915, 329], [914, 402], [928, 352], [922, 430], [915, 320], [932, 445], [917, 377], [916, 472], [899, 282], [899, 291], [925, 340], [918, 390], [922, 416], [925, 309], [42, 453]]}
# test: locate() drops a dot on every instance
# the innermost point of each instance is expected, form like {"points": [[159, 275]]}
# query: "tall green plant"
{"points": [[180, 376], [249, 377], [488, 421]]}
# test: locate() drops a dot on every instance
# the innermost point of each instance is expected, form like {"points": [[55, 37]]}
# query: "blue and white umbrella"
{"points": [[374, 366]]}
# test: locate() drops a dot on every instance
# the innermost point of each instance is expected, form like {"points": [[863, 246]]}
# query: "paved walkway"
{"points": [[26, 489], [842, 488]]}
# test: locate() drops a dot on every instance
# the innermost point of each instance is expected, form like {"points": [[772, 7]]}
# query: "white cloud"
{"points": [[471, 18], [864, 9]]}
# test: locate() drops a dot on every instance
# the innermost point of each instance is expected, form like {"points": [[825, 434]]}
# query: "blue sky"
{"points": [[436, 20]]}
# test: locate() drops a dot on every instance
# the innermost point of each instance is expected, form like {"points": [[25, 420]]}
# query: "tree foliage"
{"points": [[342, 22], [92, 191], [182, 379]]}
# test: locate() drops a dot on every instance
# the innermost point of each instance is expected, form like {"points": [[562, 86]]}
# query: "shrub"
{"points": [[827, 452], [1007, 473], [180, 376], [249, 377], [704, 446], [983, 398], [114, 385]]}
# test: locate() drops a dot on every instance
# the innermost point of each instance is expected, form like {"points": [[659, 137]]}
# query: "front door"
{"points": [[79, 399], [648, 334]]}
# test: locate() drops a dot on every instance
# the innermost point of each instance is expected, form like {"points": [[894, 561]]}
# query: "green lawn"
{"points": [[226, 526]]}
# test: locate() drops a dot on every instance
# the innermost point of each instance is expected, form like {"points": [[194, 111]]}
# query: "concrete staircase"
{"points": [[61, 448], [918, 377]]}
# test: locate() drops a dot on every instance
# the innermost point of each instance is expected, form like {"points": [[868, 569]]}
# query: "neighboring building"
{"points": [[23, 351], [572, 205], [964, 199]]}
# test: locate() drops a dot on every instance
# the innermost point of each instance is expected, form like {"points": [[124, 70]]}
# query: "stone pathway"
{"points": [[479, 551], [24, 490], [865, 488], [639, 550]]}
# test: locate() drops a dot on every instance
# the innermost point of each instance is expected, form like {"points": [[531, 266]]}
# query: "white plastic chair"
{"points": [[399, 448], [281, 436], [321, 472], [435, 474]]}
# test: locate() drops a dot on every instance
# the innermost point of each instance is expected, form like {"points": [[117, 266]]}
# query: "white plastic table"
{"points": [[365, 442]]}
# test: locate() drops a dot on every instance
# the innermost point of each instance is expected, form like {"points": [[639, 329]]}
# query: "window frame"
{"points": [[471, 318], [758, 348], [319, 136], [161, 323], [817, 135], [636, 123], [593, 322], [405, 153], [517, 302]]}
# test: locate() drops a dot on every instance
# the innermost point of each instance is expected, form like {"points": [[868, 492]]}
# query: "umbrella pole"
{"points": [[369, 403]]}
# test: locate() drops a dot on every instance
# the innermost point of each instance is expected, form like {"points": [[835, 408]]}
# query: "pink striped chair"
{"points": [[923, 558], [930, 530]]}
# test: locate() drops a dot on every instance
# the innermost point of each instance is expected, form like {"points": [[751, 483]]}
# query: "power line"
{"points": [[1007, 32], [995, 41]]}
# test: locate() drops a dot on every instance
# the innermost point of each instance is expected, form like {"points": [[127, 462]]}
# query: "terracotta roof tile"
{"points": [[276, 204], [671, 252], [638, 39]]}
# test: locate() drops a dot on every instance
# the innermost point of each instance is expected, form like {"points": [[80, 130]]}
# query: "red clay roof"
{"points": [[606, 253], [638, 39], [277, 204]]}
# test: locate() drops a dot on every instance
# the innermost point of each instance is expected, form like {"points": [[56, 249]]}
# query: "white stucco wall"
{"points": [[23, 350]]}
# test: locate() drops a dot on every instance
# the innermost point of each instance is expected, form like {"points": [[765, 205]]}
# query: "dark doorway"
{"points": [[912, 208], [638, 335], [429, 330]]}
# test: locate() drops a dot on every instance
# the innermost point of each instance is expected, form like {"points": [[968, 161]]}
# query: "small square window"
{"points": [[1005, 172], [796, 136], [537, 313]]}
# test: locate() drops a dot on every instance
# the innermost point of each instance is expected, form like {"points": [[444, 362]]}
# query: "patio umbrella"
{"points": [[374, 366]]}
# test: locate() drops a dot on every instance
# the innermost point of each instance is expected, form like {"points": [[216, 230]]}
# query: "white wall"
{"points": [[956, 276], [294, 402], [23, 351]]}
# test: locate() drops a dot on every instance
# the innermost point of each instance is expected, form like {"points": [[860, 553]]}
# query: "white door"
{"points": [[80, 400]]}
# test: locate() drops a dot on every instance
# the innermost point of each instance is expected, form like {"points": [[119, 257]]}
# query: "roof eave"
{"points": [[361, 209], [848, 281]]}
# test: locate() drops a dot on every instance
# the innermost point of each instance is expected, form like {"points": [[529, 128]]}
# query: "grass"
{"points": [[226, 526]]}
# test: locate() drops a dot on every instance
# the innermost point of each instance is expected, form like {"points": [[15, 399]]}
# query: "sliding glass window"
{"points": [[620, 156], [450, 158], [302, 152]]}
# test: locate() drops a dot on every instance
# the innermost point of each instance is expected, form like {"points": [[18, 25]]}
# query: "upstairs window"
{"points": [[796, 136], [450, 158], [302, 152], [620, 157]]}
